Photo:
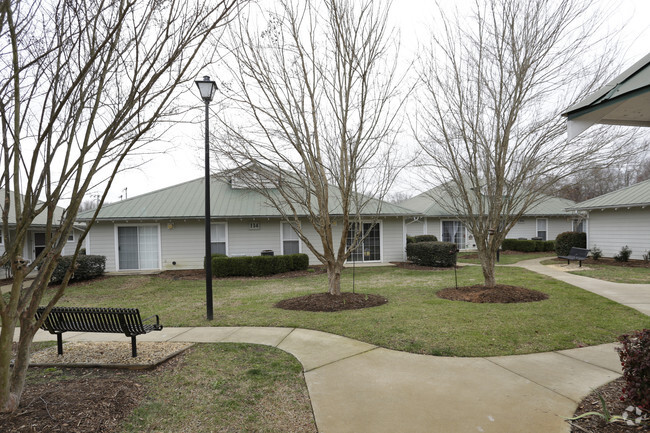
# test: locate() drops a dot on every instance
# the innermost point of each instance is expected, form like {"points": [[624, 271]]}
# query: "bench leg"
{"points": [[134, 349], [59, 344], [568, 262], [580, 261]]}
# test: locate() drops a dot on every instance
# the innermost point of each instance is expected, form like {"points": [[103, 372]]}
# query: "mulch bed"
{"points": [[328, 303], [199, 274], [501, 294], [83, 400], [611, 393]]}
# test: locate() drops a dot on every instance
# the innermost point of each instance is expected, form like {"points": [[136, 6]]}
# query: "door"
{"points": [[138, 247], [454, 231], [127, 239], [39, 243], [369, 249]]}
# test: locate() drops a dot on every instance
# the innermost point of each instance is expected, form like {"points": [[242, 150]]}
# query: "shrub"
{"points": [[565, 241], [425, 238], [432, 253], [635, 359], [247, 266], [623, 255], [523, 245], [596, 253], [212, 257], [86, 268]]}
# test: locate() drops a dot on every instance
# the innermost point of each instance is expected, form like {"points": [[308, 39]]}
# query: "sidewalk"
{"points": [[357, 387], [636, 296]]}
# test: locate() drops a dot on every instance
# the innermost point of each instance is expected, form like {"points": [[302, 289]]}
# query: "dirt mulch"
{"points": [[611, 393], [499, 294], [325, 302], [80, 400], [199, 274]]}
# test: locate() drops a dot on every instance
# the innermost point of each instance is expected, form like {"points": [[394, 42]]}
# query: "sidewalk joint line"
{"points": [[342, 359]]}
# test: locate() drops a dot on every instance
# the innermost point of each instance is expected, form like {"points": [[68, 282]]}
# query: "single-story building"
{"points": [[545, 220], [619, 218], [165, 229], [35, 241]]}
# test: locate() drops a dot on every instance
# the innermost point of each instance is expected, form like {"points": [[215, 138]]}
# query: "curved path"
{"points": [[357, 387]]}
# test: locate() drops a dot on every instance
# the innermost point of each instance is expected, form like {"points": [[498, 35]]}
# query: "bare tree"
{"points": [[312, 119], [84, 84], [493, 88]]}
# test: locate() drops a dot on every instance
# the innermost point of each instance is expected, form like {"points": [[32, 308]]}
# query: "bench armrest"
{"points": [[151, 317]]}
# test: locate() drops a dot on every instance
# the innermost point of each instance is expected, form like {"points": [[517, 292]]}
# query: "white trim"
{"points": [[282, 238], [381, 242], [225, 223], [117, 249]]}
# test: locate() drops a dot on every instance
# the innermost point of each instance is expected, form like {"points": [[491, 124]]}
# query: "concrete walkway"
{"points": [[635, 296], [357, 387]]}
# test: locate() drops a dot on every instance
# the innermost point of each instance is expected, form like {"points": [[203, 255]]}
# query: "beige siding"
{"points": [[610, 230], [527, 228], [415, 227], [244, 241], [182, 244], [101, 241]]}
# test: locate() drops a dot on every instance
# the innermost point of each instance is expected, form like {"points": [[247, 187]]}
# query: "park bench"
{"points": [[125, 321], [578, 254]]}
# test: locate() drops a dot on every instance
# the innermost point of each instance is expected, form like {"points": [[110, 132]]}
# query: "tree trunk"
{"points": [[334, 270], [8, 401], [488, 262]]}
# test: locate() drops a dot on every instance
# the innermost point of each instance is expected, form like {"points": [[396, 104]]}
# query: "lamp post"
{"points": [[207, 89]]}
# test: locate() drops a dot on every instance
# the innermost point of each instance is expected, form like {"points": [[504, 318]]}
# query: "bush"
{"points": [[247, 266], [565, 241], [523, 245], [623, 255], [86, 268], [424, 238], [432, 253], [635, 359], [596, 253]]}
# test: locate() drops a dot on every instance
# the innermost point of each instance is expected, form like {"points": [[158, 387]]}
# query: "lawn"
{"points": [[504, 259], [213, 387], [613, 273], [414, 320]]}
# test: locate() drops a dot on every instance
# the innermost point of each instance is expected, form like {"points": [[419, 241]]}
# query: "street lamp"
{"points": [[207, 89]]}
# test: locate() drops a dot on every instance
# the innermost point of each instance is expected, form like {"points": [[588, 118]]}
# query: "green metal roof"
{"points": [[622, 101], [186, 201], [39, 221], [637, 195], [431, 203]]}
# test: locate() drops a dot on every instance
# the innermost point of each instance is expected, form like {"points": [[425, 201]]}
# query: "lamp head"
{"points": [[207, 88]]}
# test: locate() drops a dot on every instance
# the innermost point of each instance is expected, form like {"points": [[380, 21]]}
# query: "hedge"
{"points": [[421, 238], [257, 266], [432, 253], [564, 242], [86, 268], [527, 245]]}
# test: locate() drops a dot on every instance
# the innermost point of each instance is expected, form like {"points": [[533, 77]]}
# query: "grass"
{"points": [[613, 273], [229, 387], [237, 387], [504, 259], [414, 320]]}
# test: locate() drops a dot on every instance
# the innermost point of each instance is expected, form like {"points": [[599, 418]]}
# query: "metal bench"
{"points": [[125, 321], [578, 254]]}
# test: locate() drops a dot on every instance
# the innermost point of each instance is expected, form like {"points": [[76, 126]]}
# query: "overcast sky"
{"points": [[412, 17]]}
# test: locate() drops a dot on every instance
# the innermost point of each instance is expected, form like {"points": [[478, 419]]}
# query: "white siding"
{"points": [[415, 227], [610, 230], [392, 240], [558, 225], [182, 243]]}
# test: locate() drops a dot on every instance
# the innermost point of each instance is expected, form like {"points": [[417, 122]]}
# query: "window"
{"points": [[218, 238], [542, 226], [369, 248], [138, 247], [71, 237], [579, 225], [290, 240], [454, 231]]}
